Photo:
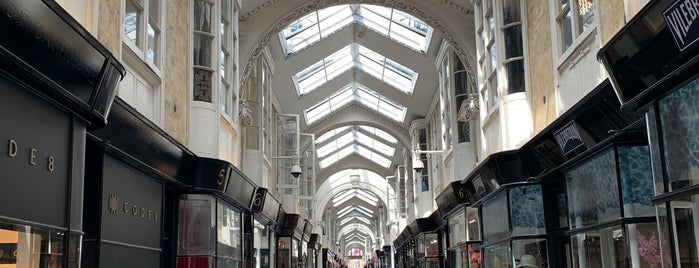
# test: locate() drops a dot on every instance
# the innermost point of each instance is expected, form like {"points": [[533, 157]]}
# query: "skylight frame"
{"points": [[360, 93], [319, 73], [339, 145], [396, 25]]}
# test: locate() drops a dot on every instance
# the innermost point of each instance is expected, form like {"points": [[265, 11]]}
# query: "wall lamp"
{"points": [[418, 166]]}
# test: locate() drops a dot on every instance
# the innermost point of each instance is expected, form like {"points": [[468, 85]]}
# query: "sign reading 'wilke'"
{"points": [[681, 17]]}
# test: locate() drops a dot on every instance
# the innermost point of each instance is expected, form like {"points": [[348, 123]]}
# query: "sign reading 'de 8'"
{"points": [[34, 139]]}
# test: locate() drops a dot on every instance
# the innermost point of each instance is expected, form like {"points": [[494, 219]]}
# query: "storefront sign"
{"points": [[240, 188], [682, 17], [34, 156], [132, 205], [43, 40], [568, 138]]}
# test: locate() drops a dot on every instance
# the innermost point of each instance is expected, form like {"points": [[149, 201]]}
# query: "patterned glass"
{"points": [[593, 195]]}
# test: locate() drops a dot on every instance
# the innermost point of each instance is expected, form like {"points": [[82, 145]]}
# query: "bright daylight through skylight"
{"points": [[359, 57], [371, 143], [394, 24]]}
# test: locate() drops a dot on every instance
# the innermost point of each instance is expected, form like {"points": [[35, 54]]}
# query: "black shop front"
{"points": [[56, 81]]}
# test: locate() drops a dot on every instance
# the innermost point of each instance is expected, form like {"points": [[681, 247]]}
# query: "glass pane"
{"points": [[496, 225], [153, 50], [202, 16], [586, 9], [133, 17], [202, 50], [643, 245], [498, 255], [202, 85], [664, 235], [513, 41], [679, 122], [515, 76], [599, 248], [472, 224], [685, 220], [566, 28], [229, 232], [431, 245], [196, 233], [457, 228], [530, 253], [592, 191], [636, 181], [154, 10], [511, 11], [527, 210], [223, 97]]}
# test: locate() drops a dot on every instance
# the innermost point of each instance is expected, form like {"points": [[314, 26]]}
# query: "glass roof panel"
{"points": [[394, 24], [364, 96], [321, 72], [341, 142], [331, 134], [379, 133]]}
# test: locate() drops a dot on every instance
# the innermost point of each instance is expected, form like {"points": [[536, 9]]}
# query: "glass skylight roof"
{"points": [[363, 95], [361, 209], [395, 24], [355, 56], [362, 219], [341, 142], [363, 195]]}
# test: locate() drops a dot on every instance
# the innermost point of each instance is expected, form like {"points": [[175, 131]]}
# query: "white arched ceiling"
{"points": [[361, 228], [261, 23], [340, 182]]}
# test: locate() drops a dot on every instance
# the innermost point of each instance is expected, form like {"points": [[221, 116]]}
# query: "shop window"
{"points": [[593, 195], [457, 227], [29, 246], [527, 209], [636, 181], [599, 248], [496, 224], [679, 122], [530, 253], [497, 255]]}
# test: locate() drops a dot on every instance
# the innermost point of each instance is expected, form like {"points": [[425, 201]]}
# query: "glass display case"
{"points": [[464, 249], [612, 222], [210, 233], [514, 232]]}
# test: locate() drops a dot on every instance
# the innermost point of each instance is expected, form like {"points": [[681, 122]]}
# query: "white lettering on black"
{"points": [[12, 148], [682, 18], [32, 157]]}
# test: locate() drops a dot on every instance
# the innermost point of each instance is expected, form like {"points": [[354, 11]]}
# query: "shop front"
{"points": [[265, 209], [305, 238], [212, 217], [652, 63], [426, 242], [131, 192], [56, 81], [314, 247], [462, 237], [329, 259], [290, 231]]}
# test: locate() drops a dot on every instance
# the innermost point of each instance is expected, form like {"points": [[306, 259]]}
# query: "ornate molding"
{"points": [[258, 9], [455, 6], [403, 5]]}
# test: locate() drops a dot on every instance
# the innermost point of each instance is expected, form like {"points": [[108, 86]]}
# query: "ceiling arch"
{"points": [[252, 42], [340, 182]]}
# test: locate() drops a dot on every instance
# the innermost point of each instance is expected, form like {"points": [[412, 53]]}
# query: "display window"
{"points": [[210, 233], [466, 256], [35, 247]]}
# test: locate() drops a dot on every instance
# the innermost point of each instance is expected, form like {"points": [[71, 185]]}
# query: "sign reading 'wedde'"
{"points": [[681, 18]]}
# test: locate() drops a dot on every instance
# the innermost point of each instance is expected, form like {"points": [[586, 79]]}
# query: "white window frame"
{"points": [[135, 60], [229, 46], [578, 37]]}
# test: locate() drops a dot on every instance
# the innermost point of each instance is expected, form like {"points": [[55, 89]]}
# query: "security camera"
{"points": [[296, 171], [418, 166]]}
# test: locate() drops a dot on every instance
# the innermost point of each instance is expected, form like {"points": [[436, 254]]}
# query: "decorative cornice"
{"points": [[455, 6], [402, 5], [260, 8]]}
